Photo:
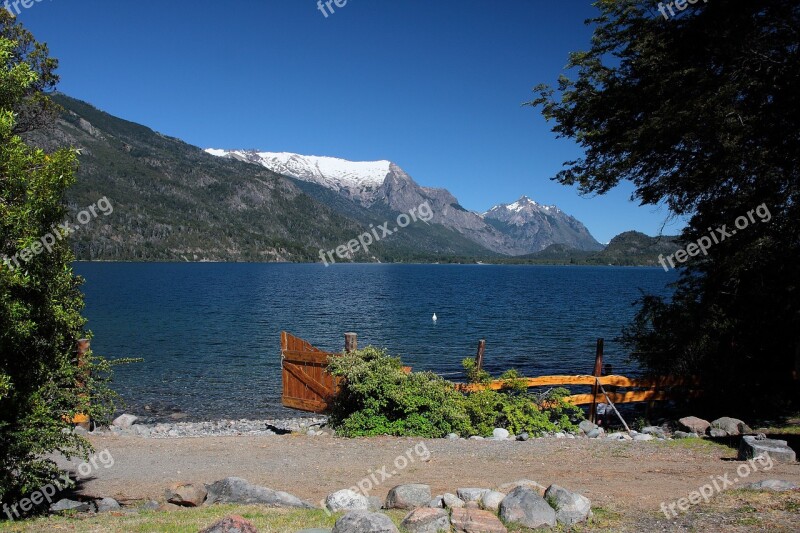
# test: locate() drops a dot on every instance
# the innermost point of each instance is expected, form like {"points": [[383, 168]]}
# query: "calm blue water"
{"points": [[210, 333]]}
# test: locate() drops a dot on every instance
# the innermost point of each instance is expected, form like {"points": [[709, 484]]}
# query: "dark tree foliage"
{"points": [[700, 112]]}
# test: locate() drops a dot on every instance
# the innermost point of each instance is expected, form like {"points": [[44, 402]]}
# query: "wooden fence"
{"points": [[308, 387]]}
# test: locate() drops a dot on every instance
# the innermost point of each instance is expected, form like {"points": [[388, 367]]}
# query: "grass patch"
{"points": [[184, 521]]}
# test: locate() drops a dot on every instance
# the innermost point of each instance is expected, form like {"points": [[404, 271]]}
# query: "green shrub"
{"points": [[378, 398]]}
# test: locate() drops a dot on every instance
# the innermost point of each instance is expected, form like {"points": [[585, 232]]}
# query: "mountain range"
{"points": [[176, 202]]}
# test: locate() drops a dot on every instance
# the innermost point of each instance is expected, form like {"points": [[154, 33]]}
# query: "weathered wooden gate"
{"points": [[306, 384]]}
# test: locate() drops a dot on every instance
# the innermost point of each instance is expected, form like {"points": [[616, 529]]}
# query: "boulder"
{"points": [[505, 488], [471, 494], [437, 502], [70, 505], [491, 500], [408, 496], [500, 433], [186, 494], [619, 436], [777, 485], [778, 450], [587, 426], [642, 437], [731, 426], [595, 433], [231, 524], [124, 421], [150, 505], [105, 505], [238, 490], [692, 424], [525, 507], [655, 431], [375, 503], [571, 508], [717, 433], [346, 500], [426, 520], [364, 522], [684, 435], [452, 501], [476, 521]]}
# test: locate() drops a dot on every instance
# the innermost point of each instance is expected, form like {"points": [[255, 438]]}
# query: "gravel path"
{"points": [[624, 476]]}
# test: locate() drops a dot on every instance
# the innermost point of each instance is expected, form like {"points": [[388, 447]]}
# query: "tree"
{"points": [[42, 387], [700, 112]]}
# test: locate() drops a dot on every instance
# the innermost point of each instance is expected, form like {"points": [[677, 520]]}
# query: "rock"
{"points": [[80, 430], [437, 502], [523, 436], [408, 496], [105, 505], [500, 433], [684, 435], [642, 437], [778, 450], [186, 494], [777, 485], [364, 522], [525, 507], [169, 507], [375, 503], [491, 500], [238, 490], [231, 524], [346, 500], [70, 505], [560, 435], [506, 488], [476, 521], [619, 436], [453, 436], [692, 424], [314, 530], [472, 505], [476, 437], [124, 421], [655, 431], [595, 433], [471, 494], [150, 505], [571, 508], [731, 426], [426, 520], [452, 501], [587, 426]]}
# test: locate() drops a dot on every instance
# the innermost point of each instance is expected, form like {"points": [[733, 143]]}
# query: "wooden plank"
{"points": [[618, 381], [320, 358], [308, 380], [632, 396], [350, 342], [480, 354], [314, 406]]}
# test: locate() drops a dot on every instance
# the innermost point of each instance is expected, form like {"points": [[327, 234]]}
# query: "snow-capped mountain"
{"points": [[358, 180], [515, 229], [540, 225]]}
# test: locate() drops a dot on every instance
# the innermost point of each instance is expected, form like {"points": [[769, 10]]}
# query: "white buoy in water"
{"points": [[434, 318]]}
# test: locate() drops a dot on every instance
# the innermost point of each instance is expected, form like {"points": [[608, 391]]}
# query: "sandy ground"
{"points": [[626, 476]]}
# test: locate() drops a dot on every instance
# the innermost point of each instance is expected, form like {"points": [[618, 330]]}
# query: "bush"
{"points": [[378, 398]]}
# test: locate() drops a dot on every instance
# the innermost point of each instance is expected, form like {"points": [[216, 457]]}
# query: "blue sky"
{"points": [[435, 86]]}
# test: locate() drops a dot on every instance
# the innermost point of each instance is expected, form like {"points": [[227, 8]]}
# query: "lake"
{"points": [[210, 332]]}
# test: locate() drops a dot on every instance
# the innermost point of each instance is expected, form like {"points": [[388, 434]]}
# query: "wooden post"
{"points": [[598, 371], [350, 342], [479, 355], [83, 347]]}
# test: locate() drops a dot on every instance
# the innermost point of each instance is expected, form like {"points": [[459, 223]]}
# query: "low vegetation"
{"points": [[378, 397]]}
